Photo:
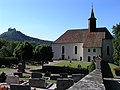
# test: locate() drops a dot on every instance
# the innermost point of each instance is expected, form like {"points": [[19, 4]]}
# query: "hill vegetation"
{"points": [[16, 46], [14, 35]]}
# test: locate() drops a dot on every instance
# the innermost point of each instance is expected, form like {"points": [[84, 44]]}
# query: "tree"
{"points": [[11, 46], [43, 53], [2, 42], [4, 52], [116, 43], [23, 51]]}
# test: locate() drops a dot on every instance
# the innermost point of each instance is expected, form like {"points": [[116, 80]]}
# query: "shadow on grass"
{"points": [[105, 69], [107, 73]]}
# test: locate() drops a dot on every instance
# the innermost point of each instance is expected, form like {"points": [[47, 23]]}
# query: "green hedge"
{"points": [[91, 67], [8, 60], [69, 70]]}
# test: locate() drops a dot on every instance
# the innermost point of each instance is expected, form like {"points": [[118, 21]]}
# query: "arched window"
{"points": [[75, 49], [63, 49], [89, 58]]}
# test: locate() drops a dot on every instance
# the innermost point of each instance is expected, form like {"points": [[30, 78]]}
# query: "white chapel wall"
{"points": [[69, 51], [91, 53]]}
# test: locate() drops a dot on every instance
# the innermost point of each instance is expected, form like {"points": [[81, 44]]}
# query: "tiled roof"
{"points": [[89, 39]]}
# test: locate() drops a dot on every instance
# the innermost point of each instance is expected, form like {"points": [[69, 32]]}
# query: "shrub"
{"points": [[69, 70], [79, 66], [91, 67], [2, 77], [8, 61]]}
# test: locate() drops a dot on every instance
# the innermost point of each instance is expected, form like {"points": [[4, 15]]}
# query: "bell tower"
{"points": [[92, 22]]}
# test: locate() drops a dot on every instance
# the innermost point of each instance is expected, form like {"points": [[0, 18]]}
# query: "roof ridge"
{"points": [[76, 29]]}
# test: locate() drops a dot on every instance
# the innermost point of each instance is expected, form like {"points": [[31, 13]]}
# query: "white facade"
{"points": [[91, 53], [83, 54], [69, 51]]}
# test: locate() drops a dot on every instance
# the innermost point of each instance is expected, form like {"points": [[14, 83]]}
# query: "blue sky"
{"points": [[48, 19]]}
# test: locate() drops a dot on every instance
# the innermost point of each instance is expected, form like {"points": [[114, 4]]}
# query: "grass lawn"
{"points": [[27, 67], [31, 66], [51, 81], [112, 66], [4, 69], [73, 64]]}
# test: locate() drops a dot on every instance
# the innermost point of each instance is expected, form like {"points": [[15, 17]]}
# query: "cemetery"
{"points": [[51, 76], [58, 76]]}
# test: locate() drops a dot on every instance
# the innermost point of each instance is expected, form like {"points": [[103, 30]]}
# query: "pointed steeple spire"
{"points": [[92, 13], [92, 22]]}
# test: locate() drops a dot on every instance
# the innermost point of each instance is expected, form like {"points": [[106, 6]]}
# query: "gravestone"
{"points": [[77, 77], [47, 74], [12, 80], [54, 77], [21, 67], [64, 83], [36, 75], [19, 74], [37, 82], [63, 75], [19, 87]]}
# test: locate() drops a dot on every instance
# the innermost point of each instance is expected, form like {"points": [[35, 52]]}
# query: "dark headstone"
{"points": [[64, 83], [54, 77], [63, 75], [21, 67], [37, 82], [19, 87], [20, 74], [48, 74], [36, 75]]}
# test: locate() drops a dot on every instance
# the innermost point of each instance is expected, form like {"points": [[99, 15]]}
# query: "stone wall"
{"points": [[92, 81]]}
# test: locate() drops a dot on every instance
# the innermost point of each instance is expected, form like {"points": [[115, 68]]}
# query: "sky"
{"points": [[49, 19]]}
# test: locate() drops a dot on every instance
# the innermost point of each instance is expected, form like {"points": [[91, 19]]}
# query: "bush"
{"points": [[8, 61], [69, 70], [3, 77], [91, 67], [79, 66]]}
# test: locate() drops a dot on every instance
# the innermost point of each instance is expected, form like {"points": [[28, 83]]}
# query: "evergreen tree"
{"points": [[116, 44]]}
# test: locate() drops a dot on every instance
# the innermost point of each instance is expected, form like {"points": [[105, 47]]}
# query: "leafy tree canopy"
{"points": [[43, 53], [7, 48], [116, 43], [24, 51]]}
